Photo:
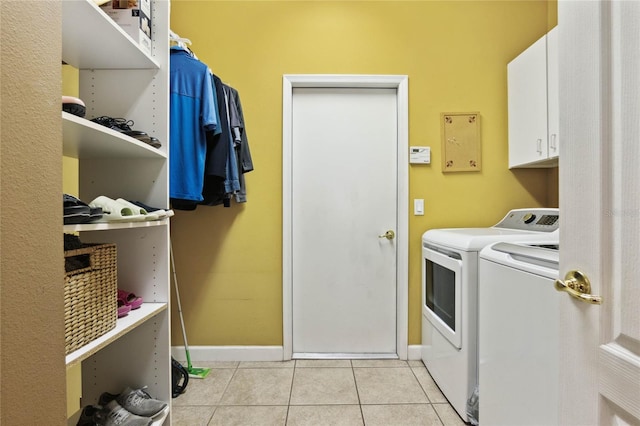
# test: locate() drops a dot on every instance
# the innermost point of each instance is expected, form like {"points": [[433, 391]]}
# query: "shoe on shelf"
{"points": [[136, 401], [118, 124], [123, 126], [113, 414], [95, 214], [73, 106], [129, 299], [113, 211], [154, 142], [77, 211], [157, 210], [74, 210], [123, 309], [138, 210], [88, 416]]}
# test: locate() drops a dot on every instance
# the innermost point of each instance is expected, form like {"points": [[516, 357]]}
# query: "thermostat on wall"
{"points": [[419, 155]]}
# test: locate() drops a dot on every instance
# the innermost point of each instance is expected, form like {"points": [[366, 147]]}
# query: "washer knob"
{"points": [[529, 217]]}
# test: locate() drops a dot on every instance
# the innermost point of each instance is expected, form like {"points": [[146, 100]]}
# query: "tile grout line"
{"points": [[355, 382], [440, 416], [421, 387], [293, 376], [226, 388], [426, 394]]}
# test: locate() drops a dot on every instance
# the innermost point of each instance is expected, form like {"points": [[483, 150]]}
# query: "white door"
{"points": [[600, 206], [344, 277], [344, 198]]}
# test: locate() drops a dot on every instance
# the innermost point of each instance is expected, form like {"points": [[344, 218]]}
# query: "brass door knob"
{"points": [[389, 235], [578, 285]]}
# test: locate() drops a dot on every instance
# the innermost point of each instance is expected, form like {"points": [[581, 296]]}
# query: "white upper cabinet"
{"points": [[533, 105], [553, 95]]}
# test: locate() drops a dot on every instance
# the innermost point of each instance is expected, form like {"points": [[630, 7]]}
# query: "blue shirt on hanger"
{"points": [[192, 114]]}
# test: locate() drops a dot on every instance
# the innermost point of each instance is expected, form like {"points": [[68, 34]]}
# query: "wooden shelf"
{"points": [[123, 326], [85, 139], [91, 40]]}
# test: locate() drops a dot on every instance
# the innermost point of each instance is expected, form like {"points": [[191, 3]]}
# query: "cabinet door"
{"points": [[527, 96], [553, 101]]}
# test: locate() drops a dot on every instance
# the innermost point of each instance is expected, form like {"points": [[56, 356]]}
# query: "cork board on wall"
{"points": [[461, 146]]}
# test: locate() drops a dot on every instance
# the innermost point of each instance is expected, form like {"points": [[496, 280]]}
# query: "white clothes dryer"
{"points": [[518, 339], [450, 295]]}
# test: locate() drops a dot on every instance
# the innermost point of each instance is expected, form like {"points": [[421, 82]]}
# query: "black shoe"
{"points": [[76, 211], [73, 106], [162, 213], [89, 416], [117, 124], [140, 135], [123, 126], [154, 142]]}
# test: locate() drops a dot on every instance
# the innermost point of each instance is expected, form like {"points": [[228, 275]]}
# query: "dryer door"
{"points": [[442, 292]]}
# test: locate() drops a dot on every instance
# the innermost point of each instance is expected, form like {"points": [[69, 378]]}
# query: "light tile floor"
{"points": [[314, 393]]}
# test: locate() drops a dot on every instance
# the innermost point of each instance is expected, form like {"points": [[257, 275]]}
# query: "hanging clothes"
{"points": [[246, 162], [209, 149], [192, 115], [218, 152], [218, 143], [243, 153], [232, 181]]}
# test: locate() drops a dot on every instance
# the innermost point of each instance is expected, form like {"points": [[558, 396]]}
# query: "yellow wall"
{"points": [[70, 82], [228, 260]]}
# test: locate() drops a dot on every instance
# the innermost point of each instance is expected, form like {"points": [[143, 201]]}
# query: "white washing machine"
{"points": [[450, 295], [518, 335]]}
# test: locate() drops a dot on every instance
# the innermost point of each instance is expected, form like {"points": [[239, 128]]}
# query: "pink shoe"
{"points": [[123, 310], [129, 299]]}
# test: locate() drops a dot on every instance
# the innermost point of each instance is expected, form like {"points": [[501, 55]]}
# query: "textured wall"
{"points": [[31, 301]]}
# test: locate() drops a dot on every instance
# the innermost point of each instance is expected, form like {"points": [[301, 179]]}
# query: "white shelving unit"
{"points": [[86, 139], [125, 324], [118, 79]]}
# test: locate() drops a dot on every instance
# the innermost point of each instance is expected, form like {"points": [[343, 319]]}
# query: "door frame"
{"points": [[401, 84]]}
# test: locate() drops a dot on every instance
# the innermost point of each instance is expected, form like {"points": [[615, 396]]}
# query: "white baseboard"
{"points": [[229, 353], [414, 352], [251, 353]]}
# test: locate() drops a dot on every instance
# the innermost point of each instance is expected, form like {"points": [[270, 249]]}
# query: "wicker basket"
{"points": [[90, 295]]}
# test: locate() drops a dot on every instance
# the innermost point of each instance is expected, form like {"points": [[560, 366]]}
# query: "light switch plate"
{"points": [[418, 207]]}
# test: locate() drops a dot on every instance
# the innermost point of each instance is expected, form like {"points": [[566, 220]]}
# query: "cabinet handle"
{"points": [[552, 144], [540, 146]]}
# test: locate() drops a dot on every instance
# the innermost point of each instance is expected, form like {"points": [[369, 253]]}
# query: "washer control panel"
{"points": [[542, 220]]}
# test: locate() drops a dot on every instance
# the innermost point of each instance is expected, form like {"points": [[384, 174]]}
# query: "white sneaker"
{"points": [[115, 415], [139, 402], [138, 210]]}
